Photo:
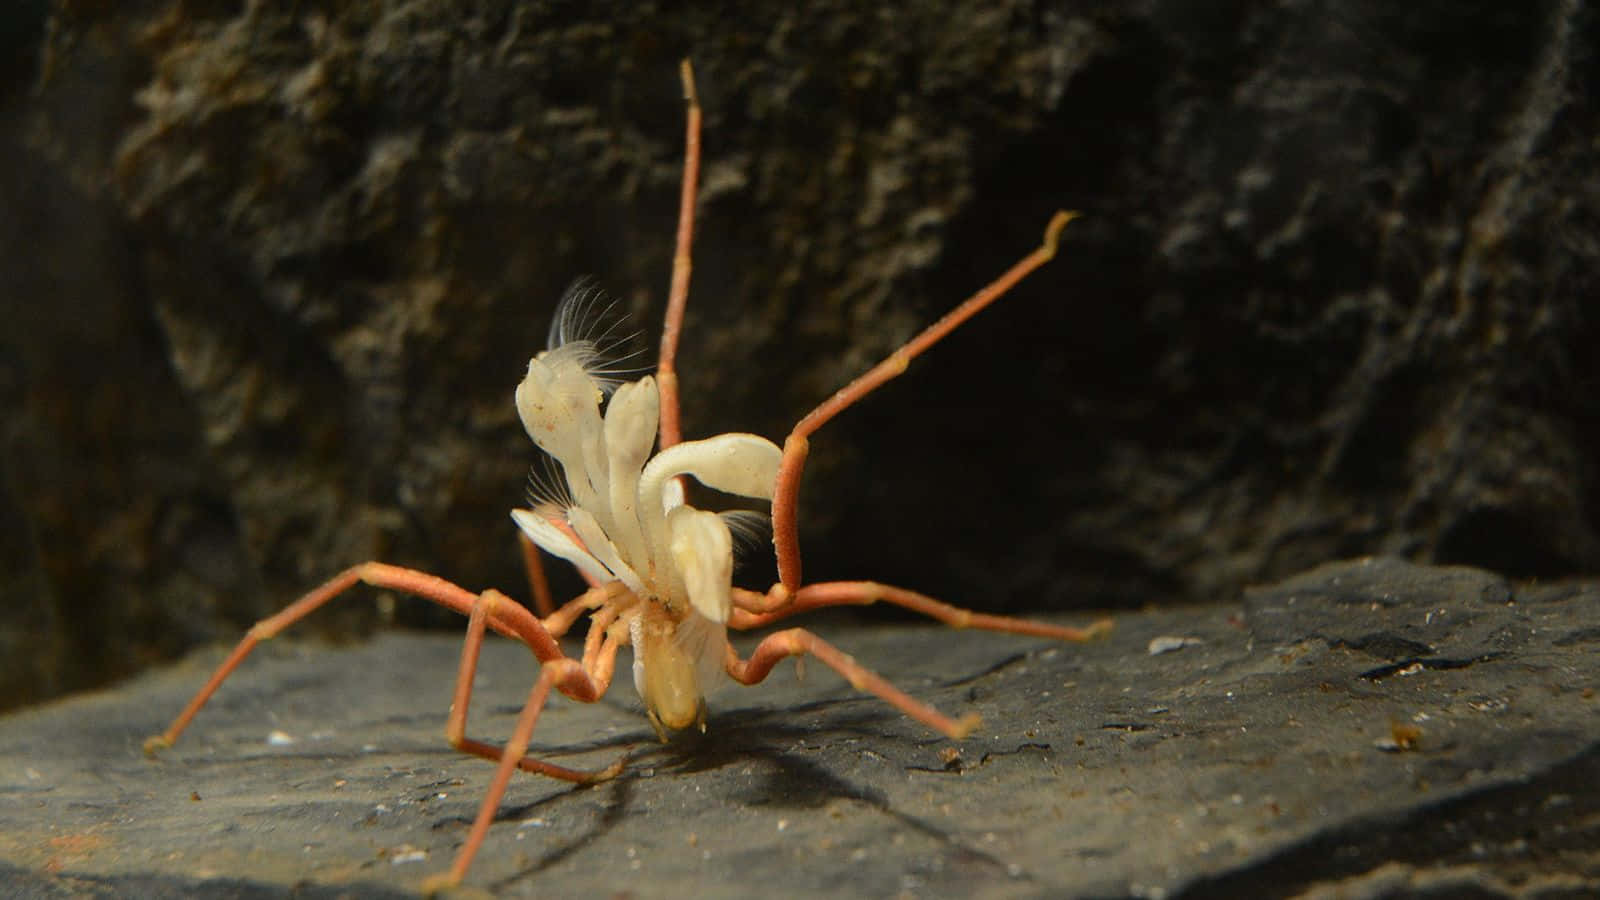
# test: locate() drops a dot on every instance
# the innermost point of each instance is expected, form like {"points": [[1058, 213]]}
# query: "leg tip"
{"points": [[435, 885], [686, 75], [966, 725], [609, 772], [155, 744], [1090, 632], [1052, 231]]}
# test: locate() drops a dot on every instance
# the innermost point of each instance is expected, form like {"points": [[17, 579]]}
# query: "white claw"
{"points": [[742, 464], [556, 543], [702, 551], [734, 463], [630, 432]]}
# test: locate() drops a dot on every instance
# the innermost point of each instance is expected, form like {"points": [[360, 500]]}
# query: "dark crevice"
{"points": [[1437, 662], [1522, 819]]}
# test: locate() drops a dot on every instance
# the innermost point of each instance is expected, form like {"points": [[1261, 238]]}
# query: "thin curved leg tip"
{"points": [[966, 725], [434, 885], [1052, 231], [155, 743], [609, 772]]}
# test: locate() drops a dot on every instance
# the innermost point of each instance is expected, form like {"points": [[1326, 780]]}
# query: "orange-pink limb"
{"points": [[456, 725], [755, 610], [678, 298], [508, 618], [565, 675], [543, 602], [786, 497], [799, 642], [560, 622]]}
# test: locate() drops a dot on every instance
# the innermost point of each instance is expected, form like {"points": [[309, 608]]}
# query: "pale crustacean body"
{"points": [[659, 569], [622, 517]]}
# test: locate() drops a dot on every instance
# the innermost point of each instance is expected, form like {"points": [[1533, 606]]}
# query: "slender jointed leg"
{"points": [[543, 603], [786, 498], [753, 610], [456, 725], [563, 674], [678, 298], [508, 617], [799, 642], [599, 644], [560, 622]]}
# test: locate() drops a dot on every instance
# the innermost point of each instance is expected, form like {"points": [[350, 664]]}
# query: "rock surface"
{"points": [[272, 271], [1368, 729]]}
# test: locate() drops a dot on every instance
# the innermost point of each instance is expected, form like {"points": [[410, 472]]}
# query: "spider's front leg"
{"points": [[599, 662], [788, 596], [786, 493], [753, 610], [585, 681]]}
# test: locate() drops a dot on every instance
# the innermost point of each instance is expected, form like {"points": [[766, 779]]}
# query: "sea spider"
{"points": [[659, 569]]}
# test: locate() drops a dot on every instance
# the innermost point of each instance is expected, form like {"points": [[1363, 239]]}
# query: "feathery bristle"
{"points": [[587, 320], [751, 530], [547, 485]]}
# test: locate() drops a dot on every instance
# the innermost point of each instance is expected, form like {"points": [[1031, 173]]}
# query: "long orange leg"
{"points": [[753, 610], [456, 725], [560, 622], [565, 675], [799, 642], [786, 497], [538, 584], [666, 363], [508, 618]]}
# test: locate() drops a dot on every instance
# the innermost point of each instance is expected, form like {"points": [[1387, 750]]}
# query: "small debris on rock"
{"points": [[1168, 643], [405, 853]]}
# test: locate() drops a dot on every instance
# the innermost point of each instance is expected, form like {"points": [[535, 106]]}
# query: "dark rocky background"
{"points": [[271, 271]]}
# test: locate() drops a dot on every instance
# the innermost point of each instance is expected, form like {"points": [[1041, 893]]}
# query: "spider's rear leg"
{"points": [[753, 610], [799, 642], [508, 617]]}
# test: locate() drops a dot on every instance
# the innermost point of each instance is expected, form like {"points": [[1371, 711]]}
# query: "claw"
{"points": [[609, 772], [966, 725], [1101, 628], [1052, 232], [434, 885]]}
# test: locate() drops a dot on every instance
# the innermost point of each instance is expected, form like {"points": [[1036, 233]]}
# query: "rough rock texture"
{"points": [[1368, 729], [272, 271]]}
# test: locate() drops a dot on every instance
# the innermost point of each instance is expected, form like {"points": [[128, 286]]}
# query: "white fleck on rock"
{"points": [[1168, 643]]}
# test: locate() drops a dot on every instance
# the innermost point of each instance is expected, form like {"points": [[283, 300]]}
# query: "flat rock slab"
{"points": [[1369, 728]]}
